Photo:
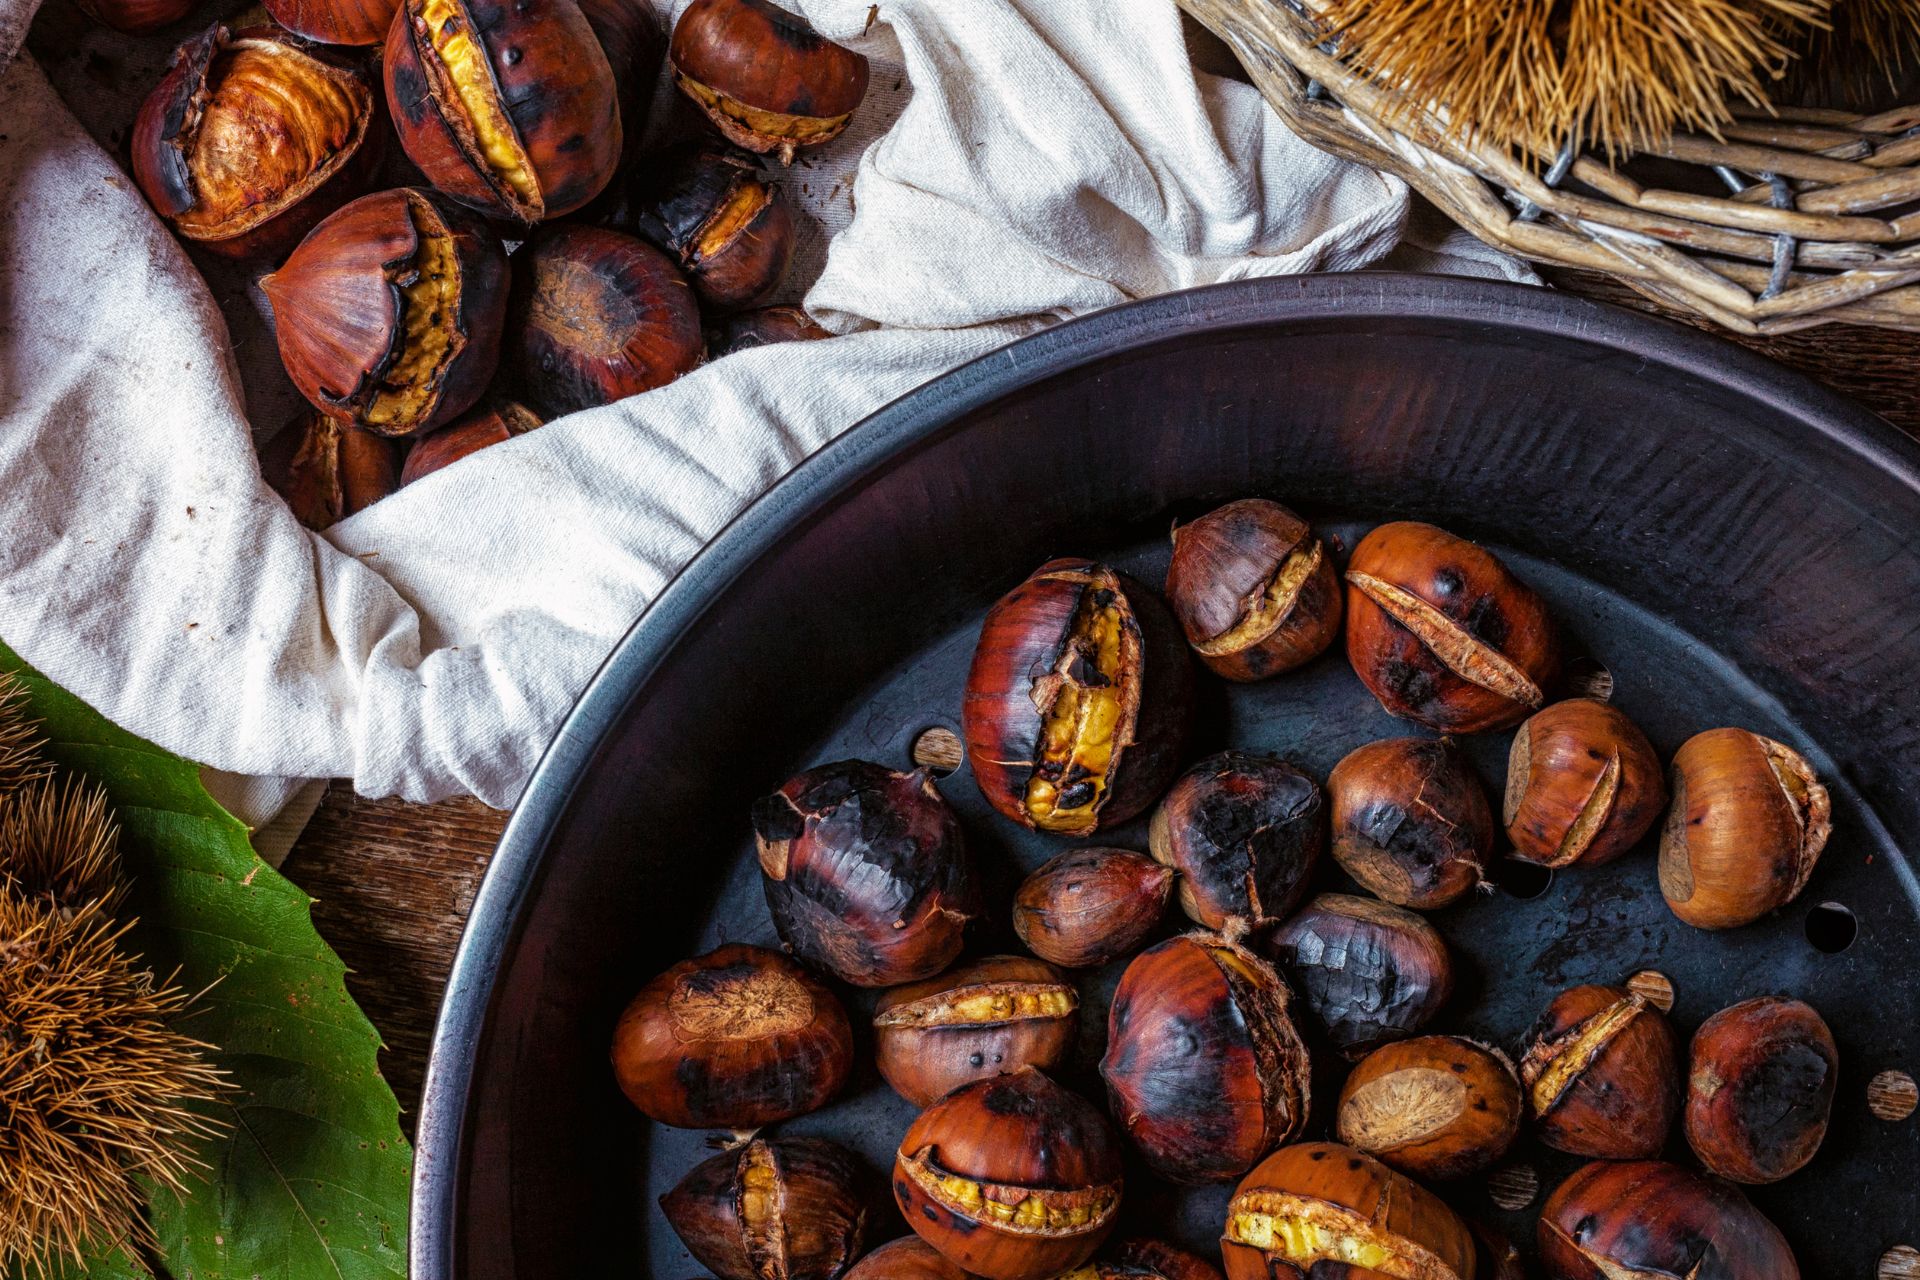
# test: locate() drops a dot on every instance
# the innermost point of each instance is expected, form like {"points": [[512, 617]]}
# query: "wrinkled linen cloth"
{"points": [[1018, 163]]}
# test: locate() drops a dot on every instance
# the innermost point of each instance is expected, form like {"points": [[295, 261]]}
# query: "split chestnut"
{"points": [[979, 1020]]}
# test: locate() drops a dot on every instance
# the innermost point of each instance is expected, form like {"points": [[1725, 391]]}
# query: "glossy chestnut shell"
{"points": [[734, 1039], [1255, 592], [761, 327], [359, 22], [765, 78], [1443, 634], [1012, 1178], [1434, 1106], [1078, 701], [772, 1209], [327, 471], [865, 872], [1086, 907], [1411, 821], [1602, 1074], [1760, 1087], [711, 207], [491, 424], [1245, 833], [973, 1022], [1583, 785], [908, 1258], [636, 45], [1647, 1218], [137, 17], [1370, 972]]}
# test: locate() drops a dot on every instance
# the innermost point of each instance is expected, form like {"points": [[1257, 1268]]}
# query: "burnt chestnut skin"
{"points": [[1245, 833], [974, 1021], [1370, 972], [772, 1209], [1602, 1074], [711, 207], [1654, 1219], [1760, 1089], [1411, 821], [1254, 590], [1086, 907]]}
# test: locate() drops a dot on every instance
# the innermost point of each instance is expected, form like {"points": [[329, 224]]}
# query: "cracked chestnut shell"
{"points": [[766, 79], [1443, 634], [712, 208], [388, 314], [973, 1022], [327, 471], [865, 872], [1254, 590], [1310, 1207], [1078, 701], [1433, 1106], [1583, 785], [1748, 821], [1760, 1089], [772, 1209], [1602, 1074], [908, 1258], [734, 1039], [491, 424], [1204, 1069], [760, 327], [1370, 972], [1411, 821], [1012, 1178], [1086, 907], [1647, 1218], [1245, 832]]}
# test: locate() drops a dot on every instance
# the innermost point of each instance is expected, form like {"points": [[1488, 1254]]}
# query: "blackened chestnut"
{"points": [[772, 1209], [1760, 1089], [1433, 1106], [490, 424], [1602, 1074], [711, 207], [1647, 1218], [327, 471], [979, 1020], [1245, 833], [1411, 821], [1086, 907], [1370, 972], [908, 1258], [766, 79], [762, 327], [1583, 785], [1254, 590]]}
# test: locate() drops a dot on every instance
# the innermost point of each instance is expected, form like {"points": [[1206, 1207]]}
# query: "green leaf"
{"points": [[310, 1181]]}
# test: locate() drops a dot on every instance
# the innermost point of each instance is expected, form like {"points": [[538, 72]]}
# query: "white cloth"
{"points": [[1041, 159]]}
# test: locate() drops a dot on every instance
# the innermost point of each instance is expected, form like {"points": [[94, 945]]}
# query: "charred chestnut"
{"points": [[1245, 833], [327, 471], [761, 327], [1370, 972], [1442, 634], [1253, 589], [765, 78], [711, 207], [1433, 1106], [908, 1258], [865, 872], [1011, 1178], [137, 17], [1089, 906], [1602, 1074], [1760, 1088], [772, 1209], [979, 1020], [1411, 821], [489, 425], [1077, 704], [734, 1039], [1583, 785], [1748, 822], [1652, 1219]]}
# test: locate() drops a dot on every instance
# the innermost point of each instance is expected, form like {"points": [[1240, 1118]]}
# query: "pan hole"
{"points": [[1589, 678], [1654, 987], [1831, 928], [1902, 1262], [1513, 1187], [1892, 1095], [938, 750], [1523, 880]]}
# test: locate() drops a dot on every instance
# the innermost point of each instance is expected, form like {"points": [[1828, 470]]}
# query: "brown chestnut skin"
{"points": [[1086, 907], [908, 1258], [490, 424], [1760, 1087], [1411, 821], [1745, 829], [1204, 1069], [1442, 634], [1320, 1202], [1254, 591], [1602, 1074], [1370, 972], [1012, 1178], [1434, 1107], [137, 17], [1245, 832], [979, 1020], [865, 872], [357, 22], [636, 47], [327, 471], [1583, 785], [762, 327], [772, 1209], [1648, 1218], [1496, 1258], [734, 1039], [1078, 702], [710, 206], [1142, 1258], [764, 77]]}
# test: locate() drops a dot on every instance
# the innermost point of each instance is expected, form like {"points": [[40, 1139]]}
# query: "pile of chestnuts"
{"points": [[1287, 1040]]}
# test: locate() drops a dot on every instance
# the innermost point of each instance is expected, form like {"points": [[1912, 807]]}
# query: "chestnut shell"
{"points": [[137, 17], [1245, 832], [1583, 785], [764, 77], [1370, 972], [1433, 1107], [1623, 1093], [925, 1057], [1411, 821], [1234, 558], [1143, 1258], [772, 1209], [908, 1258], [1760, 1088], [1086, 907], [711, 207], [636, 46], [1656, 1219], [762, 327], [491, 424], [358, 22], [327, 471]]}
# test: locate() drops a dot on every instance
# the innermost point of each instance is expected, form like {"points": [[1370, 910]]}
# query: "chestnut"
{"points": [[1204, 1069], [1583, 785], [979, 1020], [603, 316], [1370, 972], [1442, 634], [1321, 1202], [1245, 833], [1497, 1259], [772, 1209], [490, 424], [1602, 1074], [1648, 1218], [1411, 821], [1077, 704], [711, 207], [865, 872], [908, 1258], [761, 327], [508, 107], [327, 471], [1760, 1088], [766, 79], [1086, 907], [1143, 1258], [1433, 1106], [358, 22], [1747, 824], [388, 314], [1012, 1178], [1253, 589], [636, 45], [734, 1039], [137, 17]]}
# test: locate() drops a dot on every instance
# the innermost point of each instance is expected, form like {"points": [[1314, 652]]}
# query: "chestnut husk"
{"points": [[772, 1209], [710, 206], [356, 22], [1255, 592], [1245, 832], [1760, 1085], [1583, 785], [908, 1258], [1370, 972], [1411, 821], [488, 425], [137, 17], [1648, 1218], [926, 1047], [764, 77], [1435, 1107], [1602, 1074], [865, 872], [327, 471], [762, 327], [1086, 907]]}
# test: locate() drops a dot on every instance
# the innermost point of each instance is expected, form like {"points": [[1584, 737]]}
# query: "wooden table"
{"points": [[393, 881]]}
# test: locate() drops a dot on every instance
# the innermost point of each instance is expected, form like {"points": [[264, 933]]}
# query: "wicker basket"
{"points": [[1796, 219]]}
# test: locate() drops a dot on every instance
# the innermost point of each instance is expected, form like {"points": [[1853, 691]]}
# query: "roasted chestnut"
{"points": [[1497, 1258], [762, 327], [772, 1209], [636, 45], [1012, 1178], [908, 1258], [1370, 972], [1321, 1202], [1086, 907], [137, 17], [1077, 704], [734, 1039], [1583, 785], [1432, 1106], [1748, 822], [979, 1020], [1760, 1088], [388, 314], [510, 108], [711, 207], [603, 316], [335, 21], [865, 872], [1442, 634], [1141, 1258], [1647, 1218], [1411, 821], [327, 471], [490, 424], [1245, 833], [1602, 1074], [765, 78], [1253, 589]]}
